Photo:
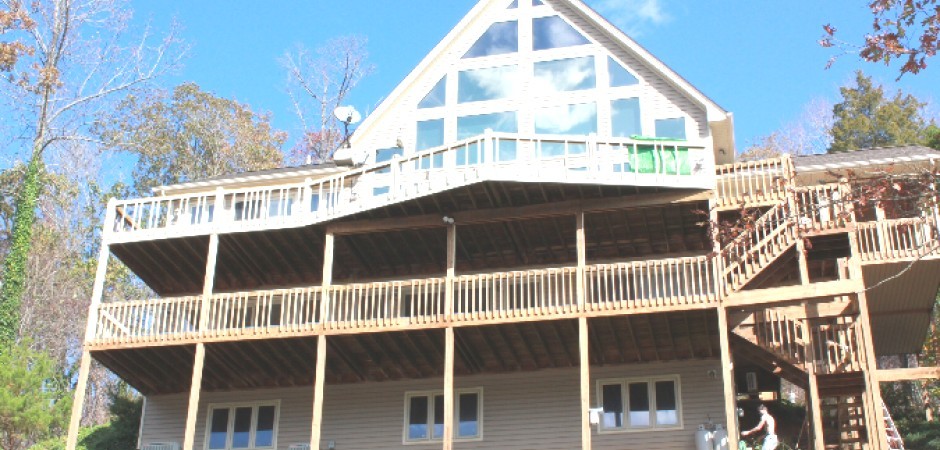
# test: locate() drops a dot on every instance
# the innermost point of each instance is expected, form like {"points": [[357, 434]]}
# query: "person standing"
{"points": [[766, 421]]}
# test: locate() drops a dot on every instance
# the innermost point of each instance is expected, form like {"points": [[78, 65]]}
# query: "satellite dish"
{"points": [[347, 115]]}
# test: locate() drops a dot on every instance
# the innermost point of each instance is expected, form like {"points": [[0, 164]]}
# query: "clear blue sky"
{"points": [[758, 59]]}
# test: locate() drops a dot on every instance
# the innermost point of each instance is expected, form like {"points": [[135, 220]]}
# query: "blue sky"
{"points": [[758, 59]]}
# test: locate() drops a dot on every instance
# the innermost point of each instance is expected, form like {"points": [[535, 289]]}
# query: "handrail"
{"points": [[750, 182], [747, 254], [489, 156], [823, 207], [896, 239]]}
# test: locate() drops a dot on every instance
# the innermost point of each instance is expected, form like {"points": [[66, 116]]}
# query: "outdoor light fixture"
{"points": [[448, 220]]}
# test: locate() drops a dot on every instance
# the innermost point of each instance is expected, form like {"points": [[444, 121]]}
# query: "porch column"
{"points": [[812, 392], [875, 419], [448, 437], [727, 378], [319, 381], [585, 383], [97, 292], [195, 388]]}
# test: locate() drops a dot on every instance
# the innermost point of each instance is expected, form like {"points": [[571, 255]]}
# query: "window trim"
{"points": [[430, 395], [651, 390], [211, 407]]}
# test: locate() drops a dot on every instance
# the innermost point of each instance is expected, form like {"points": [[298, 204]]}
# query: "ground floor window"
{"points": [[248, 426], [424, 415], [640, 403]]}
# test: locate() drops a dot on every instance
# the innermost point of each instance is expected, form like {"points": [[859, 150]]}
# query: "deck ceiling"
{"points": [[416, 354], [294, 257], [901, 307]]}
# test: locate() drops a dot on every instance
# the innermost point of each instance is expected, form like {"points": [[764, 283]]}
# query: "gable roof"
{"points": [[714, 112]]}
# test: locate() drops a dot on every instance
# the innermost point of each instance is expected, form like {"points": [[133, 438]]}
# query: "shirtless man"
{"points": [[766, 420]]}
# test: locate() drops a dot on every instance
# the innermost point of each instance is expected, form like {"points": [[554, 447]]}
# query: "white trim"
{"points": [[651, 390], [254, 421], [430, 396]]}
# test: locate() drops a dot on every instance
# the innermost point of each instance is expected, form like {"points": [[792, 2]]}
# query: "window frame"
{"points": [[430, 397], [231, 407], [625, 400]]}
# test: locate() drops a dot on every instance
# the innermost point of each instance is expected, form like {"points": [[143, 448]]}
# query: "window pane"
{"points": [[671, 128], [514, 4], [241, 431], [639, 405], [567, 119], [486, 84], [219, 429], [430, 134], [554, 32], [500, 38], [418, 418], [666, 412], [565, 75], [438, 417], [468, 419], [436, 97], [625, 117], [619, 76], [264, 432], [613, 406], [469, 126]]}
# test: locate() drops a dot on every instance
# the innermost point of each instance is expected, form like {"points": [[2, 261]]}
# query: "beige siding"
{"points": [[531, 410]]}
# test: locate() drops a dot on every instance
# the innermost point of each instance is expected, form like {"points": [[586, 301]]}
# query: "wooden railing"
{"points": [[492, 156], [759, 245], [753, 182], [823, 207], [483, 298], [897, 239], [836, 345], [785, 337]]}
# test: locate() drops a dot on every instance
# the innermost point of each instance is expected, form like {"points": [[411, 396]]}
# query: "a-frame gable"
{"points": [[535, 67]]}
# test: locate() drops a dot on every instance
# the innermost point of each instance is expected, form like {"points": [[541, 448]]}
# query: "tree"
{"points": [[901, 29], [62, 62], [118, 434], [318, 83], [866, 118], [810, 133], [191, 134], [34, 398]]}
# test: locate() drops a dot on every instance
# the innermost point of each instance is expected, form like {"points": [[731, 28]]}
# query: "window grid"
{"points": [[433, 428], [619, 398], [242, 425]]}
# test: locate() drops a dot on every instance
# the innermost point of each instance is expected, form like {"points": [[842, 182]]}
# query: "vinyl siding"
{"points": [[523, 410]]}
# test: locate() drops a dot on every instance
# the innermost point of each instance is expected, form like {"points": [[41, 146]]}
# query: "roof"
{"points": [[864, 157], [253, 177]]}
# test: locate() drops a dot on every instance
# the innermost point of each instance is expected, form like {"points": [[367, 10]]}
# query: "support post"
{"points": [[97, 292], [812, 393], [192, 411], [581, 242], [727, 378], [584, 362], [449, 388], [208, 283], [328, 243], [801, 255], [318, 383], [451, 272]]}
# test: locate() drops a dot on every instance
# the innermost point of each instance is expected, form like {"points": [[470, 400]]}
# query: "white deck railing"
{"points": [[508, 157]]}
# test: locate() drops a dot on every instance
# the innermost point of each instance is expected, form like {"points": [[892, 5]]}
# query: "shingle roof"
{"points": [[864, 157]]}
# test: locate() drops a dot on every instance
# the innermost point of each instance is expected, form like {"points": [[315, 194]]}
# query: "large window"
{"points": [[573, 74], [554, 32], [500, 38], [248, 426], [424, 415], [640, 403], [625, 117], [671, 128], [492, 83]]}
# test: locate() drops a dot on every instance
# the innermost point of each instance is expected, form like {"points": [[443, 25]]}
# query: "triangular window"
{"points": [[554, 32], [500, 38], [514, 4], [436, 97], [619, 76]]}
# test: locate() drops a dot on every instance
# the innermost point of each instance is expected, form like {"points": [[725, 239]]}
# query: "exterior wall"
{"points": [[523, 410]]}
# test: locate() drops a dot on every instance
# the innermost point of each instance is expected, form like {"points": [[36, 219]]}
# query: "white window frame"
{"points": [[254, 421], [430, 396], [625, 398]]}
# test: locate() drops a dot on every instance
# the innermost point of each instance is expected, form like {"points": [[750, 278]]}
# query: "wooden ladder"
{"points": [[891, 431]]}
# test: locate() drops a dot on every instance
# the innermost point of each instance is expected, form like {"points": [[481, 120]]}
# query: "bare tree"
{"points": [[317, 83], [810, 133], [63, 63]]}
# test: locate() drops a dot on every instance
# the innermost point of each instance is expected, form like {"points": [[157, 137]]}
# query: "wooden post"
{"points": [[318, 383], [801, 254], [727, 377], [585, 362], [581, 242], [328, 243], [812, 393], [449, 388], [192, 411], [208, 283], [97, 292], [451, 272]]}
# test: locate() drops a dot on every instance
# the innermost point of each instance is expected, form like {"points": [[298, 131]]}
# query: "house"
{"points": [[527, 269]]}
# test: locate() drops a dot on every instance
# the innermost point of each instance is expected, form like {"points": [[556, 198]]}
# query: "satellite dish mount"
{"points": [[348, 116]]}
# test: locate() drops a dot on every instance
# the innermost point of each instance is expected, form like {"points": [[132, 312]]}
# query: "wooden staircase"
{"points": [[769, 237], [891, 431]]}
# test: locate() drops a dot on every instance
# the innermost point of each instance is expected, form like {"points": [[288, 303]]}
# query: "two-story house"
{"points": [[510, 255]]}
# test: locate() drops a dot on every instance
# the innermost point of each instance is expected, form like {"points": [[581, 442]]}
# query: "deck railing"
{"points": [[496, 156], [757, 246], [836, 345], [782, 335], [482, 298], [823, 207], [897, 239], [753, 182]]}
